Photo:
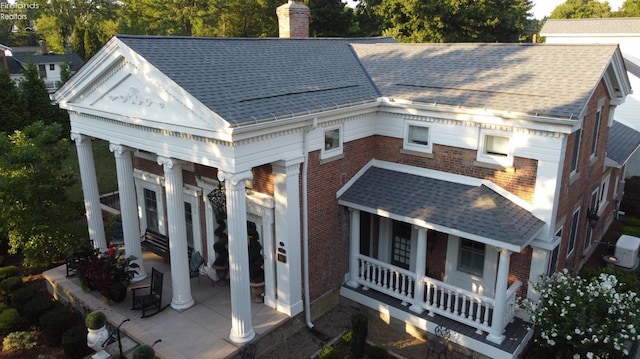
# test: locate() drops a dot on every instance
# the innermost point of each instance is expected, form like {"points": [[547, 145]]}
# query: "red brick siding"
{"points": [[578, 192]]}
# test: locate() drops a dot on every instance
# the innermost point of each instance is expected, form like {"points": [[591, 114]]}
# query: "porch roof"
{"points": [[471, 211]]}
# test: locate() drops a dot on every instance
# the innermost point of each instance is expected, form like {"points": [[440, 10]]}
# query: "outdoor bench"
{"points": [[158, 243]]}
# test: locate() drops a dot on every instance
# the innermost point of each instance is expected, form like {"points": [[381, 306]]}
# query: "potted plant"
{"points": [[110, 273], [143, 351], [96, 323], [221, 247], [256, 264]]}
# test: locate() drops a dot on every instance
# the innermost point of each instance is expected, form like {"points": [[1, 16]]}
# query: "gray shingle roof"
{"points": [[543, 79], [623, 141], [75, 62], [611, 25], [249, 80], [476, 210]]}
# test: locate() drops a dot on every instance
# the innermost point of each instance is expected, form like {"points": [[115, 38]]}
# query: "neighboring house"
{"points": [[443, 178], [615, 30], [49, 64]]}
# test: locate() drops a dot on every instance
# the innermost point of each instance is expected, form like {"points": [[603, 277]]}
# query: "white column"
{"points": [[177, 233], [354, 248], [500, 299], [241, 327], [269, 259], [90, 190], [128, 207], [421, 262], [286, 183]]}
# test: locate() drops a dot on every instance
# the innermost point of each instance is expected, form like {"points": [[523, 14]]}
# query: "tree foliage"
{"points": [[34, 207], [581, 9], [12, 107], [454, 20], [630, 8]]}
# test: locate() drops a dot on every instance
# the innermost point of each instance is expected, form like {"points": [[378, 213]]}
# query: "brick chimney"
{"points": [[293, 20]]}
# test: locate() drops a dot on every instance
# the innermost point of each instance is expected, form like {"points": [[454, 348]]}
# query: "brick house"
{"points": [[432, 182]]}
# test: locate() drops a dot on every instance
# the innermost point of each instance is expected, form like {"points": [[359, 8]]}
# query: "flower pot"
{"points": [[221, 272], [95, 338], [257, 289], [117, 292]]}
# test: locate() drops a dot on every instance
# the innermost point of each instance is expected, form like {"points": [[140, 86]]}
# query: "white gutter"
{"points": [[305, 221]]}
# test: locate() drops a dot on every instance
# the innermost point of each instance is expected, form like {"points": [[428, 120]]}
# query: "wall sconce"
{"points": [[592, 217]]}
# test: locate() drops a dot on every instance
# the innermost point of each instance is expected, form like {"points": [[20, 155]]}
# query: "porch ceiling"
{"points": [[474, 212]]}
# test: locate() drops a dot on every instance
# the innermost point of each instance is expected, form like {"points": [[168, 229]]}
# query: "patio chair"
{"points": [[439, 344], [195, 264], [148, 297]]}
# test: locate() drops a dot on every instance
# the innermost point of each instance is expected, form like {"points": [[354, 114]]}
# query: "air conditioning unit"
{"points": [[626, 252]]}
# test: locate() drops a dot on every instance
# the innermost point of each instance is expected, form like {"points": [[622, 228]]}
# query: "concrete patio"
{"points": [[201, 331]]}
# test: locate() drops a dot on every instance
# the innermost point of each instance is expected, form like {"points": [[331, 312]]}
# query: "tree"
{"points": [[33, 91], [581, 9], [454, 20], [329, 18], [367, 21], [630, 8], [35, 211], [11, 110], [575, 317]]}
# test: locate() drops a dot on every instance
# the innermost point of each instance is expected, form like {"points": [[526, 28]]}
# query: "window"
{"points": [[495, 148], [189, 223], [576, 150], [42, 70], [604, 189], [553, 261], [417, 137], [151, 209], [471, 257], [52, 67], [401, 254], [332, 142], [593, 206], [596, 130], [574, 231]]}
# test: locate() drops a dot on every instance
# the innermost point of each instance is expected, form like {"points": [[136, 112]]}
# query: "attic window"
{"points": [[332, 142], [417, 137], [496, 148]]}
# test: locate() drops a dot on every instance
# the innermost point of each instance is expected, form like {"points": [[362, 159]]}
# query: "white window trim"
{"points": [[594, 140], [407, 145], [493, 159], [324, 154], [192, 196], [576, 153], [153, 183], [604, 194]]}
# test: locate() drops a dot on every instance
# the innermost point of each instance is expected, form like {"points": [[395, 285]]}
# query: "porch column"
{"points": [[354, 246], [90, 190], [286, 183], [421, 262], [128, 207], [500, 299], [177, 232], [241, 327]]}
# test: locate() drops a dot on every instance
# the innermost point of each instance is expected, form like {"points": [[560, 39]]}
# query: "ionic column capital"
{"points": [[233, 178], [169, 163], [120, 150], [79, 138]]}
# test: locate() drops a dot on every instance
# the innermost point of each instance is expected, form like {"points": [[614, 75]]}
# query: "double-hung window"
{"points": [[575, 220], [471, 257], [151, 209], [576, 152]]}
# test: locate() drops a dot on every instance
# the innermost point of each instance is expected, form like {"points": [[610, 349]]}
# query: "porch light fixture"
{"points": [[218, 199], [592, 217]]}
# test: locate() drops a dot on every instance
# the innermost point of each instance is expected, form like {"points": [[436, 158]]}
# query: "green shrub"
{"points": [[11, 321], [16, 341], [74, 343], [8, 271], [378, 352], [328, 353], [10, 285], [3, 307], [143, 351], [95, 320], [21, 296], [360, 327], [54, 323], [630, 221], [36, 307], [347, 337]]}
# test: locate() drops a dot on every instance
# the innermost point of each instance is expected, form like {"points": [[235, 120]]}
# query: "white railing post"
{"points": [[500, 300], [421, 262]]}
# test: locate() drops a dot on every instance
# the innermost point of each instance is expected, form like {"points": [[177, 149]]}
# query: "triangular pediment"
{"points": [[120, 85]]}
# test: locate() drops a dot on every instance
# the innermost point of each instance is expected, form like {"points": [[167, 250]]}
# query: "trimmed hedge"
{"points": [[8, 271], [74, 343], [21, 296], [36, 307], [54, 323], [10, 285], [11, 321]]}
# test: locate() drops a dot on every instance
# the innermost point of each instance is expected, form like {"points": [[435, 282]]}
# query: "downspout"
{"points": [[305, 221]]}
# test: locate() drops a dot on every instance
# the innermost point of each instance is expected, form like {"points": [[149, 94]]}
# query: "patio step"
{"points": [[113, 350]]}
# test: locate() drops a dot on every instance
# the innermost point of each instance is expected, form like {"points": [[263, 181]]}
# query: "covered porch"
{"points": [[431, 247], [200, 331]]}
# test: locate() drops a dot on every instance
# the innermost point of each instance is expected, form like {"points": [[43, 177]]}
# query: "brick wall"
{"points": [[576, 190]]}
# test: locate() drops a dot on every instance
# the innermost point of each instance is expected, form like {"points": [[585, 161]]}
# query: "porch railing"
{"points": [[439, 298]]}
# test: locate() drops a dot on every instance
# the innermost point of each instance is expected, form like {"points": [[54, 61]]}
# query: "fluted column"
{"points": [[90, 190], [241, 326], [177, 234], [286, 183], [354, 246], [128, 207], [421, 262], [500, 299]]}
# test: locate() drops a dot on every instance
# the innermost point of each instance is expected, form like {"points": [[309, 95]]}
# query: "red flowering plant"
{"points": [[107, 272]]}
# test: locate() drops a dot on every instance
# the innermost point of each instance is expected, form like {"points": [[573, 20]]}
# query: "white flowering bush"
{"points": [[579, 318]]}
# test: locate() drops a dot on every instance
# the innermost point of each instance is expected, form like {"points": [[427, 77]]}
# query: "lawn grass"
{"points": [[105, 169]]}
